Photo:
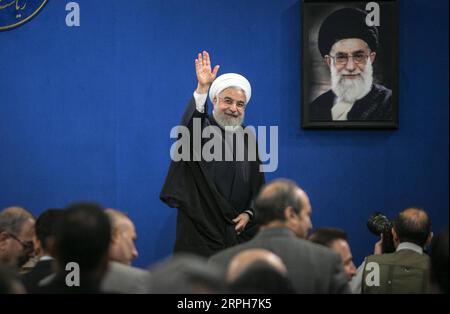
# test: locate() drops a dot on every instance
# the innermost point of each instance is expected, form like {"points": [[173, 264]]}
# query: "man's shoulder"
{"points": [[320, 108], [281, 244], [398, 257], [325, 99], [44, 266], [381, 93], [223, 257], [40, 271], [381, 89], [118, 269], [317, 252], [125, 279]]}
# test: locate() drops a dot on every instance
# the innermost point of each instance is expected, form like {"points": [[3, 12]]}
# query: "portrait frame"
{"points": [[371, 111]]}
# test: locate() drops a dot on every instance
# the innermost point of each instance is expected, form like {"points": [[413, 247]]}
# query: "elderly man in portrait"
{"points": [[348, 46]]}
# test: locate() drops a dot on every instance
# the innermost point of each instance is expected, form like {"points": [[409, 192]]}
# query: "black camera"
{"points": [[380, 224]]}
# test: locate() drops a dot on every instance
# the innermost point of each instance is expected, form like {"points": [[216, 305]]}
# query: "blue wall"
{"points": [[85, 112]]}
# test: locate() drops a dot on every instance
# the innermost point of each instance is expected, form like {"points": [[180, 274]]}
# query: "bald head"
{"points": [[116, 216], [412, 225], [275, 197], [122, 249], [283, 203], [415, 215], [244, 260], [17, 211]]}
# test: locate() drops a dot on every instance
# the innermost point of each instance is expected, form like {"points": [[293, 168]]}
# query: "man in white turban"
{"points": [[214, 198], [223, 91]]}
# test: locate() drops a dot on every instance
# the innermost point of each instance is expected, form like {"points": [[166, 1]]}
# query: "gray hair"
{"points": [[12, 219]]}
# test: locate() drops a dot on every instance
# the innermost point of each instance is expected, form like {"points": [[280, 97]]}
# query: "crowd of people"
{"points": [[283, 257]]}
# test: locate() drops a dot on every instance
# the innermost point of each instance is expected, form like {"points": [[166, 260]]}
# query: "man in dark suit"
{"points": [[81, 249], [121, 277], [45, 229], [284, 211], [336, 240]]}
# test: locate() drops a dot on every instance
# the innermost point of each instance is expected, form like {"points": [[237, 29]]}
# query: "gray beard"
{"points": [[351, 90], [224, 120]]}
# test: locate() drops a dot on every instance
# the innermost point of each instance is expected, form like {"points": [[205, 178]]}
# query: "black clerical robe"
{"points": [[210, 194], [375, 106]]}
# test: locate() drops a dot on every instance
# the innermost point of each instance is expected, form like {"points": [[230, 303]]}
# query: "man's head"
{"points": [[230, 94], [229, 107], [185, 274], [336, 240], [350, 62], [282, 202], [46, 226], [122, 248], [349, 46], [16, 236], [258, 271], [242, 261], [83, 237], [412, 225]]}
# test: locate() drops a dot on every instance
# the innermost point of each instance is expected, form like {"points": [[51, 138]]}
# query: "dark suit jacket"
{"points": [[311, 268], [376, 105], [57, 285], [39, 272]]}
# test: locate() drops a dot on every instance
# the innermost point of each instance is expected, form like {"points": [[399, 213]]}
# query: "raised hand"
{"points": [[205, 75]]}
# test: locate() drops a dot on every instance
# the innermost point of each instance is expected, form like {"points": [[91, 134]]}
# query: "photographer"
{"points": [[407, 269]]}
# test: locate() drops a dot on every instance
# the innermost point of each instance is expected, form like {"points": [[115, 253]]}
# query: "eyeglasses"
{"points": [[27, 246], [230, 101], [342, 58]]}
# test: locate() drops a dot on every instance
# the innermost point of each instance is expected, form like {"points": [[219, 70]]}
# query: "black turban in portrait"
{"points": [[346, 23]]}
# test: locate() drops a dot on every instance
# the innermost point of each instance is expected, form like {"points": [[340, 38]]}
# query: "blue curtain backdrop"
{"points": [[85, 112]]}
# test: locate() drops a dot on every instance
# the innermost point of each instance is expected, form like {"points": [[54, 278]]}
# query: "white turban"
{"points": [[230, 80]]}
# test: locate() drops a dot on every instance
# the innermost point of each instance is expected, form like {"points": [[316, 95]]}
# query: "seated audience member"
{"points": [[407, 269], [244, 259], [16, 236], [45, 229], [284, 211], [122, 249], [185, 274], [439, 263], [83, 237], [336, 240], [120, 276], [9, 281], [258, 271]]}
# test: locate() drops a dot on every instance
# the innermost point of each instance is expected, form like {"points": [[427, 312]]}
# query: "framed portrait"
{"points": [[349, 64]]}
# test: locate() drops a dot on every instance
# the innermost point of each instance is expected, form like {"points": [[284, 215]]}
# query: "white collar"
{"points": [[46, 258], [340, 110], [409, 246]]}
